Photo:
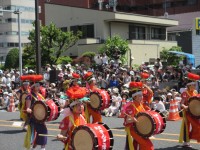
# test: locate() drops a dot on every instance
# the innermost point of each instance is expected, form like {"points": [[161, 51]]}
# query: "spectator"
{"points": [[116, 101]]}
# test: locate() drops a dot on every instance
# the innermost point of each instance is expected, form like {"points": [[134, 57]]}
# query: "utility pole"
{"points": [[19, 38], [37, 38]]}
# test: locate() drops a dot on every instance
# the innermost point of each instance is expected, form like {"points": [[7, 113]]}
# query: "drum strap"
{"points": [[130, 141], [137, 108], [39, 96]]}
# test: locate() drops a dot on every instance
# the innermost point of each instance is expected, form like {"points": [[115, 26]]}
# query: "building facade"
{"points": [[9, 24], [146, 35]]}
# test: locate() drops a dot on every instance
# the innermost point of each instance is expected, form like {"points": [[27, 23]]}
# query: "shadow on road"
{"points": [[11, 132], [177, 147]]}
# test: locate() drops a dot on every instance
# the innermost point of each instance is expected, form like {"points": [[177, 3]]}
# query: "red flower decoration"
{"points": [[76, 92], [75, 75], [24, 78], [144, 75], [35, 78], [193, 77], [135, 85], [88, 75]]}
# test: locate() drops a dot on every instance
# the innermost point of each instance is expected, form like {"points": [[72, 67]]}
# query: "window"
{"points": [[158, 33], [11, 33], [64, 29], [192, 2], [10, 20], [197, 32], [137, 32], [87, 30]]}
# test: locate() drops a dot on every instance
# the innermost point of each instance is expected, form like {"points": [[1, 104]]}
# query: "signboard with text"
{"points": [[197, 23]]}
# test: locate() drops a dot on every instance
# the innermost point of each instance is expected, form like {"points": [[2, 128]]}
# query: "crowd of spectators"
{"points": [[110, 75]]}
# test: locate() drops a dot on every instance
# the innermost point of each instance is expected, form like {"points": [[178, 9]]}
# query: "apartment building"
{"points": [[9, 24]]}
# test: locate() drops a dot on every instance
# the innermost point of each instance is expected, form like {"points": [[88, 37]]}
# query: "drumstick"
{"points": [[131, 117], [49, 135]]}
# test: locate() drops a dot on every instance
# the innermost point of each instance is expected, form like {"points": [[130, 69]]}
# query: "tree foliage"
{"points": [[54, 42], [89, 54], [12, 59], [113, 43], [172, 59], [64, 60]]}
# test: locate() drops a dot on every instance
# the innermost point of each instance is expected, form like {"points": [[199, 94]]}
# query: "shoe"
{"points": [[186, 144], [111, 114], [107, 114], [24, 128]]}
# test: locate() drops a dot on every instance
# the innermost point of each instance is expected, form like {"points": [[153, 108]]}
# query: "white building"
{"points": [[9, 24], [146, 34]]}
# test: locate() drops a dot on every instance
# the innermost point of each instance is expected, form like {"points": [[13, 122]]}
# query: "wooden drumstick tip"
{"points": [[49, 135]]}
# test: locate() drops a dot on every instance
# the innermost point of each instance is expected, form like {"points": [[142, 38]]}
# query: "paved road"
{"points": [[11, 135]]}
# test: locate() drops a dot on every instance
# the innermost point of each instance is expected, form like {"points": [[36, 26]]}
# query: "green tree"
{"points": [[54, 42], [115, 43], [89, 54], [64, 60], [12, 59], [172, 59]]}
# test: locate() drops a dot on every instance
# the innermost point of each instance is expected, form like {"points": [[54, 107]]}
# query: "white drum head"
{"points": [[39, 111], [94, 100], [194, 107], [144, 125], [83, 140]]}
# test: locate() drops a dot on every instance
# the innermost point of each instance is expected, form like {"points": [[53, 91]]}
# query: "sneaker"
{"points": [[186, 144], [111, 114], [107, 114]]}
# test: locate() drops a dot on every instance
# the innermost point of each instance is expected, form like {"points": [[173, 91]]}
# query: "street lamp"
{"points": [[19, 38], [19, 35]]}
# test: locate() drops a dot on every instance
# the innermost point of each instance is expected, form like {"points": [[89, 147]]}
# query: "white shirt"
{"points": [[105, 60], [160, 106]]}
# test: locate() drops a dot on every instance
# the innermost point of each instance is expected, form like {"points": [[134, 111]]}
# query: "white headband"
{"points": [[75, 102], [191, 83], [137, 93]]}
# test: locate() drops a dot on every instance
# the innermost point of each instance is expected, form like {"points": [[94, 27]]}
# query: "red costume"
{"points": [[131, 109]]}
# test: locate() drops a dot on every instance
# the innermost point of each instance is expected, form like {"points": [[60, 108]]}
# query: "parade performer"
{"points": [[146, 90], [73, 116], [91, 86], [190, 128], [34, 128], [131, 109], [21, 95], [74, 81]]}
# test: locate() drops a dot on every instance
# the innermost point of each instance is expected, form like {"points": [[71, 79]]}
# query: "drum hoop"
{"points": [[100, 98], [46, 115], [58, 105], [108, 129], [95, 139], [189, 110], [153, 125]]}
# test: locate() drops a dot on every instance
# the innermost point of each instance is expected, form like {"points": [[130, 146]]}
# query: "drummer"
{"points": [[190, 128], [134, 140], [73, 117], [91, 86], [147, 92], [32, 139], [24, 89]]}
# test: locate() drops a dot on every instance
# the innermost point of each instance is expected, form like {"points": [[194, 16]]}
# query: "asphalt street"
{"points": [[12, 136]]}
